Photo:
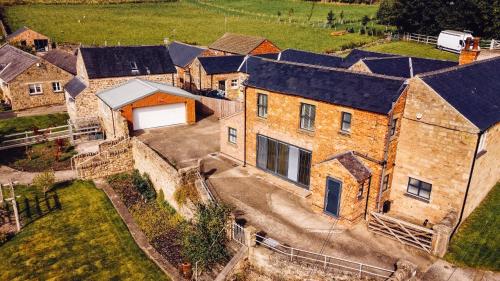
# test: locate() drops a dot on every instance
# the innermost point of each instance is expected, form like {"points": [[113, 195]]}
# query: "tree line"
{"points": [[482, 17]]}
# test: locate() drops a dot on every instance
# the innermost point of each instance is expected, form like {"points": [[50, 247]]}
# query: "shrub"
{"points": [[205, 241], [185, 193], [144, 185], [44, 181], [4, 237], [154, 220]]}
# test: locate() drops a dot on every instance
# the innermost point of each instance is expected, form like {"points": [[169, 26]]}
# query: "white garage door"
{"points": [[160, 115]]}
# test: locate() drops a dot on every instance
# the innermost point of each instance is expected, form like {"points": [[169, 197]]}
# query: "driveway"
{"points": [[183, 145], [287, 218]]}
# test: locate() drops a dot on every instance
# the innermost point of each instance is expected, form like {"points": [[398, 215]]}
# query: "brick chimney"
{"points": [[470, 52]]}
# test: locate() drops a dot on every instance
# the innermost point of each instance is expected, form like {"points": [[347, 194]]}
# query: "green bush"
{"points": [[205, 241], [144, 185], [185, 193]]}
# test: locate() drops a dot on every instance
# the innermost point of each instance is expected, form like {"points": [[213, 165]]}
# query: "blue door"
{"points": [[332, 197]]}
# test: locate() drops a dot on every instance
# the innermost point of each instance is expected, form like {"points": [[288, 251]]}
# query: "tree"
{"points": [[364, 20], [341, 16], [44, 181], [330, 19]]}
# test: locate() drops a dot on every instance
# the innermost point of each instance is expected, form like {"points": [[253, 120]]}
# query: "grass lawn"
{"points": [[86, 240], [188, 21], [477, 241], [27, 123], [414, 49]]}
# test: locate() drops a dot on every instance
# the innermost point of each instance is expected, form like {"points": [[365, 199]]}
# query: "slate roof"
{"points": [[136, 89], [298, 56], [62, 59], [14, 61], [237, 43], [75, 86], [17, 32], [107, 62], [221, 64], [356, 54], [183, 54], [352, 164], [406, 67], [271, 56], [368, 92], [472, 89]]}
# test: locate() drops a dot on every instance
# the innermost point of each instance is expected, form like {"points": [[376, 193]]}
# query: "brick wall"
{"points": [[43, 73], [367, 135], [436, 145], [265, 47], [234, 150]]}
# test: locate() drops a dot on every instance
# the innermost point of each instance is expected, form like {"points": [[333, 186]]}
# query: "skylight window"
{"points": [[133, 66]]}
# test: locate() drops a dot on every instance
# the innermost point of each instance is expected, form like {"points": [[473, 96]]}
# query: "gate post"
{"points": [[441, 235]]}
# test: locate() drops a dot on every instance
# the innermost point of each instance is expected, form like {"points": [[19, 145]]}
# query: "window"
{"points": [[482, 143], [385, 183], [234, 83], [231, 135], [262, 105], [133, 66], [346, 122], [284, 160], [35, 89], [307, 115], [222, 85], [361, 189], [419, 188], [56, 87], [392, 130]]}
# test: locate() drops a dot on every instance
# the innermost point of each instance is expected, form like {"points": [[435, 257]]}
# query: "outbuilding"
{"points": [[141, 104]]}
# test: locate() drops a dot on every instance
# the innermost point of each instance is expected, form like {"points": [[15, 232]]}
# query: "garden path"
{"points": [[8, 174]]}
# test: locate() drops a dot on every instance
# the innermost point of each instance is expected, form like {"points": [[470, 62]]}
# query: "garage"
{"points": [[142, 104], [159, 116]]}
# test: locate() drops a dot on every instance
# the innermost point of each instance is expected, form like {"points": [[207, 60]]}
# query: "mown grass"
{"points": [[477, 241], [86, 240], [147, 23], [27, 123], [414, 49]]}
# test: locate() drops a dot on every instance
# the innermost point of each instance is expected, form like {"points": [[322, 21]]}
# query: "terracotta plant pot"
{"points": [[186, 270]]}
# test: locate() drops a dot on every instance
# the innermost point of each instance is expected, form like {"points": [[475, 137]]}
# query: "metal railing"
{"points": [[326, 261], [205, 187], [238, 233]]}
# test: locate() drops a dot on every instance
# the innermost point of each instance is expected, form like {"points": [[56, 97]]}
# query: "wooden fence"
{"points": [[490, 44], [219, 107]]}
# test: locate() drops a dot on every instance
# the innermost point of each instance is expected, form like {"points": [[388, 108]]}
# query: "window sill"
{"points": [[261, 118], [36, 94], [61, 91], [345, 133], [306, 132], [417, 197], [481, 153], [232, 144]]}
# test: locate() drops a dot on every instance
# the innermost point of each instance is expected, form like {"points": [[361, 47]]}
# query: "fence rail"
{"points": [[491, 44], [361, 269]]}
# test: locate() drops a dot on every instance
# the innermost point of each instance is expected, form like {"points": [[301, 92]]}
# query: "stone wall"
{"points": [[367, 136], [360, 66], [233, 150], [29, 36], [43, 73], [163, 175], [486, 170], [436, 145], [112, 122]]}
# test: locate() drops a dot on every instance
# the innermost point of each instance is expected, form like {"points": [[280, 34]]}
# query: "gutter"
{"points": [[468, 185]]}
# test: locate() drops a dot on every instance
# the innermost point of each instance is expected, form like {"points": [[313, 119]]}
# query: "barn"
{"points": [[141, 104]]}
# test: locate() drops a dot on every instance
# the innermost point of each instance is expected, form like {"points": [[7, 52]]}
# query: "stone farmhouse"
{"points": [[29, 38], [141, 104], [417, 149], [238, 44], [99, 68], [29, 81]]}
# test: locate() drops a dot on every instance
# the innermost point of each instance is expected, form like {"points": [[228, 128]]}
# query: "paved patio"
{"points": [[287, 218], [183, 145]]}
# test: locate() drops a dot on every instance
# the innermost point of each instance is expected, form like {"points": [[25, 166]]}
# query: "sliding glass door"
{"points": [[284, 160]]}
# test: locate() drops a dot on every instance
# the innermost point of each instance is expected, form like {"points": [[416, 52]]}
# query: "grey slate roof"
{"points": [[368, 92], [237, 43], [299, 56], [75, 86], [356, 54], [108, 62], [406, 67], [355, 167], [14, 62], [473, 89], [221, 64], [62, 59], [183, 54], [136, 89]]}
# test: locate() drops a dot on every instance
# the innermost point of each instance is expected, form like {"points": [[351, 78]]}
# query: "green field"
{"points": [[188, 21], [27, 123], [477, 241], [86, 240], [414, 49]]}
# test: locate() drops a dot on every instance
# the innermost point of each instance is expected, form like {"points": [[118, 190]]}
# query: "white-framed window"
{"points": [[262, 105], [420, 189], [56, 87], [234, 83], [231, 135], [346, 122], [133, 66], [35, 89], [482, 143], [394, 123], [307, 116]]}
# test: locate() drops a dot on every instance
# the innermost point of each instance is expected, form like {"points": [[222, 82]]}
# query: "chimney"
{"points": [[470, 52]]}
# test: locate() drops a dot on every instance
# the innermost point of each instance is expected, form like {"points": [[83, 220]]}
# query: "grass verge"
{"points": [[414, 49], [27, 123], [477, 241], [86, 240]]}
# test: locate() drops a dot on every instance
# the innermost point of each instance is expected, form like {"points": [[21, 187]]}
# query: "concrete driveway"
{"points": [[287, 218], [183, 145]]}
